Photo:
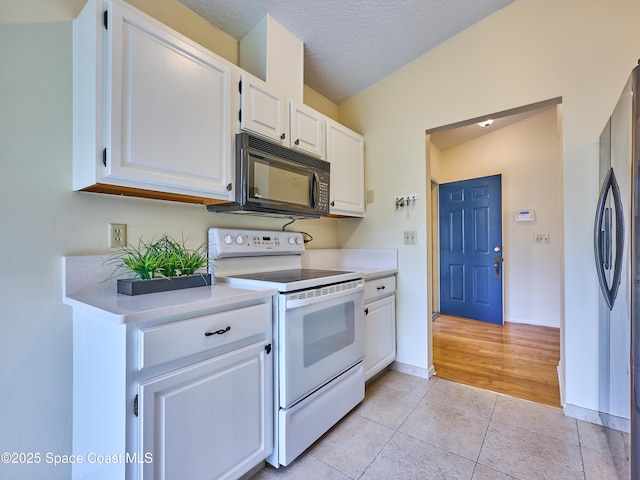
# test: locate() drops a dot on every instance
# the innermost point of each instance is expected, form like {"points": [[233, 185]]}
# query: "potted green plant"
{"points": [[160, 265]]}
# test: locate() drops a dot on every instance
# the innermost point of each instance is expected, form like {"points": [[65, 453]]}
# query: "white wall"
{"points": [[527, 52], [42, 220], [527, 155]]}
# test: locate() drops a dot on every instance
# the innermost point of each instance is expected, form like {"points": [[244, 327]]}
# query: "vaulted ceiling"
{"points": [[351, 44]]}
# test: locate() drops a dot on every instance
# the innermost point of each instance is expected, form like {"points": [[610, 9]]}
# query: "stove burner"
{"points": [[289, 276]]}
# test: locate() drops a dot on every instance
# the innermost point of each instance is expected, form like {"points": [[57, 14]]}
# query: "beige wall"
{"points": [[321, 104], [530, 51], [527, 155]]}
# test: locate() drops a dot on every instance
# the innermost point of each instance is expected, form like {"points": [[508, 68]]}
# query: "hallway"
{"points": [[516, 359]]}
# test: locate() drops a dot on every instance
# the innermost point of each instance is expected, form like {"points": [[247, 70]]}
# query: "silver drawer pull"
{"points": [[217, 332]]}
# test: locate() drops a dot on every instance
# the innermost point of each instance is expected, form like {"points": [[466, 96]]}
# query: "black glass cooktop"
{"points": [[290, 276]]}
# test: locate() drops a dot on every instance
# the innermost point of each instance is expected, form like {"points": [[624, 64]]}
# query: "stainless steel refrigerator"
{"points": [[616, 245]]}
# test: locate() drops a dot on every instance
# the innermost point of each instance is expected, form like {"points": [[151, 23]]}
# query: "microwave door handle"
{"points": [[315, 191]]}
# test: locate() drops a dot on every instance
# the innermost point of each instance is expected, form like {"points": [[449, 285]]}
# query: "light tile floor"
{"points": [[413, 428]]}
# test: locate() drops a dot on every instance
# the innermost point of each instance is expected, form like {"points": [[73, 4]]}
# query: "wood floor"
{"points": [[516, 359]]}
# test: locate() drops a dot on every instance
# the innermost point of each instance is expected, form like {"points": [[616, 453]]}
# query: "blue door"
{"points": [[471, 249]]}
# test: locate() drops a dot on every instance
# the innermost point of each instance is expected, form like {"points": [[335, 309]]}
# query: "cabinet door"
{"points": [[263, 110], [345, 152], [212, 420], [307, 130], [380, 335], [170, 109]]}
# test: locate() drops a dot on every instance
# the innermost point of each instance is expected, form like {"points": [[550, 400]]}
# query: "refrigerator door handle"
{"points": [[607, 239], [603, 241]]}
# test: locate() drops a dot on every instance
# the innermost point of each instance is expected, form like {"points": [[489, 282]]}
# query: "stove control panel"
{"points": [[234, 242]]}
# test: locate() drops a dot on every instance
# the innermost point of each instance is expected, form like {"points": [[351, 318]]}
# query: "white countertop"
{"points": [[88, 287], [373, 263]]}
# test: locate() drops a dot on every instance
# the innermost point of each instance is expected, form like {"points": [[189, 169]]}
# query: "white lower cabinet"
{"points": [[164, 399], [207, 421], [380, 325]]}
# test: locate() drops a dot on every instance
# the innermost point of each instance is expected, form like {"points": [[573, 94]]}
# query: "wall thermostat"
{"points": [[525, 216]]}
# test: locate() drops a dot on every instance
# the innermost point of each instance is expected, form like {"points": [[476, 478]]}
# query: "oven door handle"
{"points": [[304, 298]]}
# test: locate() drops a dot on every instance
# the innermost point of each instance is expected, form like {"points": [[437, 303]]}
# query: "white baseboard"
{"points": [[413, 370], [561, 383], [530, 321], [598, 418]]}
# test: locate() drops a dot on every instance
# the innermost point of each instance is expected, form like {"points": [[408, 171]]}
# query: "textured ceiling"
{"points": [[351, 44]]}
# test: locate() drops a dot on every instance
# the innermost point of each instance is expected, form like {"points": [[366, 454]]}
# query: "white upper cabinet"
{"points": [[273, 54], [307, 129], [263, 110], [151, 108], [155, 114], [274, 59], [345, 152]]}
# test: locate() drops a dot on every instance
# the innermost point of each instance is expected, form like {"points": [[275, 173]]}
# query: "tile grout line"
{"points": [[396, 429], [475, 467], [584, 471]]}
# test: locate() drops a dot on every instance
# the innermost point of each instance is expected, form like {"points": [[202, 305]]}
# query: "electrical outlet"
{"points": [[410, 237], [117, 235], [541, 238]]}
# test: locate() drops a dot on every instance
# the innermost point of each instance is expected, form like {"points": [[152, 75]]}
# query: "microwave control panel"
{"points": [[323, 194], [235, 242]]}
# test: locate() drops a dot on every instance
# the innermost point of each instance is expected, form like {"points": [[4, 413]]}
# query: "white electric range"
{"points": [[318, 330]]}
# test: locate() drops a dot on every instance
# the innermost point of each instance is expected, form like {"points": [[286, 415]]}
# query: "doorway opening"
{"points": [[524, 146]]}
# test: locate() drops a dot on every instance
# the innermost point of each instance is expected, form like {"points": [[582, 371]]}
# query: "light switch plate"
{"points": [[369, 196]]}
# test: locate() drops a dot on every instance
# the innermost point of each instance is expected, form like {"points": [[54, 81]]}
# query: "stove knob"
{"points": [[228, 239], [291, 241], [239, 240], [299, 240]]}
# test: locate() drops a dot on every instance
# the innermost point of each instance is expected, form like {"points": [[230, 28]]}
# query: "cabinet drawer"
{"points": [[379, 287], [180, 339]]}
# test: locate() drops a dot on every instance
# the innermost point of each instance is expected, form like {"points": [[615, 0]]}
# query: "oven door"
{"points": [[319, 338]]}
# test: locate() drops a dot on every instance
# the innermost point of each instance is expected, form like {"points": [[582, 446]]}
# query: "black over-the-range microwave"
{"points": [[272, 179]]}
